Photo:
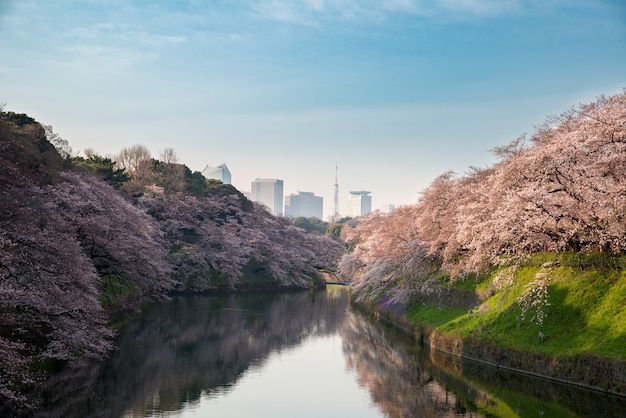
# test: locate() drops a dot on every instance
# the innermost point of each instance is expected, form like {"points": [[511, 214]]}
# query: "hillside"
{"points": [[84, 242], [576, 307]]}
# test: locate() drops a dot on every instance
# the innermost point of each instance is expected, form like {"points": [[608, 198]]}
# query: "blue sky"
{"points": [[393, 91]]}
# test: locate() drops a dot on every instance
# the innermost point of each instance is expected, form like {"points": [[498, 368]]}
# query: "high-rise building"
{"points": [[359, 203], [304, 204], [270, 193], [221, 173], [387, 208]]}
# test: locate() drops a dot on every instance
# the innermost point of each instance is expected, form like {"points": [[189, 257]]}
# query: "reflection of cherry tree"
{"points": [[190, 347], [394, 377]]}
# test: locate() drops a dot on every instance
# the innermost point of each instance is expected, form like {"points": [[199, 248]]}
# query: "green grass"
{"points": [[433, 315], [113, 289], [468, 283], [586, 313]]}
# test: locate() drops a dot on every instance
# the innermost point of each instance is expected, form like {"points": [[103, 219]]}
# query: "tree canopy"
{"points": [[564, 189]]}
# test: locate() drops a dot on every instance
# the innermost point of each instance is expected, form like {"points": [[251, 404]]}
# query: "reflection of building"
{"points": [[221, 172], [359, 203], [270, 193], [304, 204]]}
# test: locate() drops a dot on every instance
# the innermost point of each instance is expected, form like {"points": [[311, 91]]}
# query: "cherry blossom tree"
{"points": [[215, 239], [562, 190], [123, 242], [387, 253], [48, 288], [202, 236]]}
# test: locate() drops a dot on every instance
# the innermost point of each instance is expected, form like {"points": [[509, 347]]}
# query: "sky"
{"points": [[391, 92]]}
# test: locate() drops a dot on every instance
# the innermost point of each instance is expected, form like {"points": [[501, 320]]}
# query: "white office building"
{"points": [[269, 192], [387, 208], [359, 203], [304, 204], [221, 173]]}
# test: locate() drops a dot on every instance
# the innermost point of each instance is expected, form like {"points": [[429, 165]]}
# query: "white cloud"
{"points": [[284, 11], [154, 39], [313, 12], [480, 7], [403, 6], [317, 5]]}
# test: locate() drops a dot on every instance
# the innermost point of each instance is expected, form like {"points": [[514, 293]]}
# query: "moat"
{"points": [[305, 354]]}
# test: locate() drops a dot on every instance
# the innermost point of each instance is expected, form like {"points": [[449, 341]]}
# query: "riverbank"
{"points": [[574, 333]]}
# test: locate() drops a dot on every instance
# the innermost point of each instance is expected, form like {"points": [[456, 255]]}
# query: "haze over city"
{"points": [[392, 92]]}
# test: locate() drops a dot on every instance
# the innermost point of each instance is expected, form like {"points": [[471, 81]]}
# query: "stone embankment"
{"points": [[589, 371]]}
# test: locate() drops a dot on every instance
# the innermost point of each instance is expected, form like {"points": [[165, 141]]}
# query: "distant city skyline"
{"points": [[345, 210], [268, 192], [304, 204], [359, 203], [393, 92]]}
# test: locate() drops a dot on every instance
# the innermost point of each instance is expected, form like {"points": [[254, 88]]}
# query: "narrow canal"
{"points": [[299, 354]]}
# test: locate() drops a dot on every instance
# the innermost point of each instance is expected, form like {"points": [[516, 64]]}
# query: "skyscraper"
{"points": [[360, 203], [270, 193], [221, 172], [304, 204]]}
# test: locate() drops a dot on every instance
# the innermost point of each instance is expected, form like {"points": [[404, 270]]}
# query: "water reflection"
{"points": [[408, 380], [178, 350], [391, 371], [194, 349]]}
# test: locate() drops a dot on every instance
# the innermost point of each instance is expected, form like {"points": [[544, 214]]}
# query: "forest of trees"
{"points": [[86, 239], [561, 189]]}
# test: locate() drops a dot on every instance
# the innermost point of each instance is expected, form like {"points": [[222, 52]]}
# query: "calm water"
{"points": [[305, 354]]}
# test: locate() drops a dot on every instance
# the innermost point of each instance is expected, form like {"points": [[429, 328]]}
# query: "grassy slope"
{"points": [[586, 313]]}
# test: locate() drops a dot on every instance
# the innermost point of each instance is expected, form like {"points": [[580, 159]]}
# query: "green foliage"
{"points": [[204, 279], [217, 188], [20, 119], [343, 220], [114, 291], [311, 224], [103, 168], [585, 313], [593, 260], [334, 230], [175, 250], [24, 140], [195, 183], [466, 283]]}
